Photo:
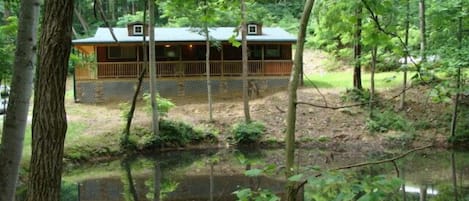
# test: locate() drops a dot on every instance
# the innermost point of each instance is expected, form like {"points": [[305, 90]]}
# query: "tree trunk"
{"points": [[112, 10], [423, 192], [154, 105], [130, 180], [130, 115], [207, 65], [14, 125], [374, 53], [292, 98], [82, 20], [6, 9], [247, 115], [157, 183], [406, 55], [423, 38], [49, 119], [454, 119], [357, 77], [453, 176]]}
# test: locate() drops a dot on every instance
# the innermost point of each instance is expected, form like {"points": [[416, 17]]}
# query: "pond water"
{"points": [[216, 174]]}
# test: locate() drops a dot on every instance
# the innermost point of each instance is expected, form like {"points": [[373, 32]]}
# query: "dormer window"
{"points": [[252, 29], [138, 29]]}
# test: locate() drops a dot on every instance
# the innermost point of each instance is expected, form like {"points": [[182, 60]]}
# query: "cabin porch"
{"points": [[181, 69]]}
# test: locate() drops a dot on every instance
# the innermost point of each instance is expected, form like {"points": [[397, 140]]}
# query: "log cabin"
{"points": [[114, 63]]}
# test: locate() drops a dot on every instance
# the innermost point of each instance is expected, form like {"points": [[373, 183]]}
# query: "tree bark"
{"points": [[157, 183], [207, 65], [154, 105], [454, 119], [423, 38], [374, 53], [14, 126], [406, 55], [244, 45], [82, 20], [357, 77], [49, 119], [292, 99], [130, 180], [130, 115]]}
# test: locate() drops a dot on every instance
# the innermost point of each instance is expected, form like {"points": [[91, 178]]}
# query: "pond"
{"points": [[215, 174]]}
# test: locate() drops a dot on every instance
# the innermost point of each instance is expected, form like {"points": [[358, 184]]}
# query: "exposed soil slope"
{"points": [[315, 126]]}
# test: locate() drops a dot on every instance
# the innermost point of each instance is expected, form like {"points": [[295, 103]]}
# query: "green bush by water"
{"points": [[386, 120], [244, 133], [172, 134]]}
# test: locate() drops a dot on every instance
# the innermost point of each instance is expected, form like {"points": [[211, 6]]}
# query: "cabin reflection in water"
{"points": [[190, 188]]}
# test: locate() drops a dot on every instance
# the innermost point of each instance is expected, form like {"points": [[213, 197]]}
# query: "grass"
{"points": [[73, 136], [386, 80]]}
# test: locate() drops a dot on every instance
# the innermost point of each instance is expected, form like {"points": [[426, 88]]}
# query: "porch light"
{"points": [[167, 46], [190, 46]]}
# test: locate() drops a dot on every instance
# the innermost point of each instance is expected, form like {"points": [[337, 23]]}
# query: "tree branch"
{"points": [[392, 160], [375, 19], [99, 7], [352, 105]]}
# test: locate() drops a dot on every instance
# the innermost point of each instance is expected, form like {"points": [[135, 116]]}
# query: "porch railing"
{"points": [[108, 70]]}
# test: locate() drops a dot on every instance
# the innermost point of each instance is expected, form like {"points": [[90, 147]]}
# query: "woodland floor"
{"points": [[315, 126]]}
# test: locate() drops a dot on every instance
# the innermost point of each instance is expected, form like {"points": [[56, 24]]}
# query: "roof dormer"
{"points": [[137, 29], [254, 28]]}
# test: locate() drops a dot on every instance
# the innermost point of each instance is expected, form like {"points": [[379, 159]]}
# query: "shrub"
{"points": [[356, 95], [245, 133], [172, 133], [388, 120], [164, 104]]}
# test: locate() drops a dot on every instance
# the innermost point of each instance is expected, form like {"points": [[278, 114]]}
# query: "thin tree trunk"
{"points": [[154, 105], [82, 20], [374, 52], [357, 78], [49, 119], [6, 9], [406, 55], [112, 10], [453, 176], [16, 117], [130, 115], [212, 183], [423, 38], [247, 115], [458, 82], [207, 65], [423, 192], [157, 182], [130, 180], [292, 98]]}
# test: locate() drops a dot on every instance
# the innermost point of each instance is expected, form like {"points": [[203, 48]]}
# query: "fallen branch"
{"points": [[352, 105], [392, 160], [381, 161]]}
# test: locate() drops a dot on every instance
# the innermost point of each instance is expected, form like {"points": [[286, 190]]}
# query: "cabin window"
{"points": [[255, 52], [167, 53], [121, 52], [252, 29], [272, 51], [138, 29]]}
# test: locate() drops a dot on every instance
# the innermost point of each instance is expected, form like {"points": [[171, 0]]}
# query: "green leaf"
{"points": [[233, 41], [298, 177], [253, 172]]}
